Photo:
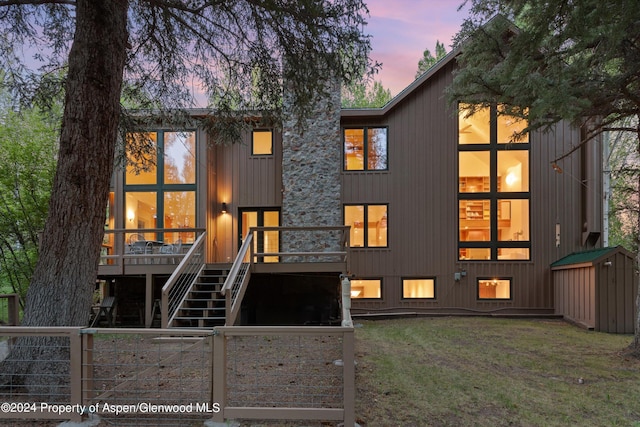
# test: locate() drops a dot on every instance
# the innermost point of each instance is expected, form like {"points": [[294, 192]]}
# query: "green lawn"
{"points": [[476, 371]]}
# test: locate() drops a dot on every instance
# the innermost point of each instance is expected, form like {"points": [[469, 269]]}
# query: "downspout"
{"points": [[606, 188]]}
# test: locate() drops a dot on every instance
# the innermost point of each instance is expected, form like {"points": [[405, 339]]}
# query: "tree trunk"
{"points": [[60, 293]]}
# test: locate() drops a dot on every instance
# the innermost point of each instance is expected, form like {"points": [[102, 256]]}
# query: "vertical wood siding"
{"points": [[421, 187], [241, 181]]}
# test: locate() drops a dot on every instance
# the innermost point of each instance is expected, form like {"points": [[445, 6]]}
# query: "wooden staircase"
{"points": [[203, 306]]}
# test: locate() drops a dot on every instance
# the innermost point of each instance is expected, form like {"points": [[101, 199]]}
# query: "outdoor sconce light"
{"points": [[224, 208]]}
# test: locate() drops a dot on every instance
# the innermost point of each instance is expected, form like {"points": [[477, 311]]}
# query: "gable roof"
{"points": [[589, 257], [378, 112]]}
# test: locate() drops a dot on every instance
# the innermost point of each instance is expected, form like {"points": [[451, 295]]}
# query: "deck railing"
{"points": [[312, 244], [181, 280], [10, 309], [264, 245], [145, 246], [237, 281]]}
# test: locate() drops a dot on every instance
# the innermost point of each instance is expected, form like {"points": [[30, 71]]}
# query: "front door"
{"points": [[264, 241]]}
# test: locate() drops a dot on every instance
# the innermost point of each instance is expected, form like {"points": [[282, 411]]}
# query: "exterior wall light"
{"points": [[224, 208]]}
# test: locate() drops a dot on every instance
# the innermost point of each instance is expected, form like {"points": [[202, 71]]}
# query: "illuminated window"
{"points": [[160, 190], [142, 156], [493, 191], [262, 143], [366, 288], [419, 288], [368, 225], [494, 288], [365, 148]]}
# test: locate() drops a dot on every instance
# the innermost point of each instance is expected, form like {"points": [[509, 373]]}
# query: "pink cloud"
{"points": [[401, 30]]}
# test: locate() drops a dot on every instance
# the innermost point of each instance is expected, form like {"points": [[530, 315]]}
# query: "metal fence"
{"points": [[285, 373], [180, 377]]}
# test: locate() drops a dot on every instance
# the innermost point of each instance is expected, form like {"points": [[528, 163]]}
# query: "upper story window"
{"points": [[262, 143], [365, 148], [493, 192], [368, 225], [160, 185]]}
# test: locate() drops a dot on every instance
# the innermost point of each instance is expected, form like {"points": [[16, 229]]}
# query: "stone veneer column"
{"points": [[311, 165]]}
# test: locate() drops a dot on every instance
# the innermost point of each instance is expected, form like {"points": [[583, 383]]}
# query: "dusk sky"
{"points": [[402, 29]]}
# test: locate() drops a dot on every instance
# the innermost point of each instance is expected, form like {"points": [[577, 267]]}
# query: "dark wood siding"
{"points": [[421, 187], [240, 180]]}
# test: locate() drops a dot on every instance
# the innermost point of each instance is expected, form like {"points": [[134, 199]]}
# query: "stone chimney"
{"points": [[311, 165]]}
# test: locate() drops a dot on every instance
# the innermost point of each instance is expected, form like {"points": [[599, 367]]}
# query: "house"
{"points": [[445, 214]]}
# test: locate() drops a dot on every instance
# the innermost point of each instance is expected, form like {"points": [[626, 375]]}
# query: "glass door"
{"points": [[264, 241]]}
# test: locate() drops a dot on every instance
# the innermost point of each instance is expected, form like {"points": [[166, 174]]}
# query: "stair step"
{"points": [[199, 318], [204, 306], [208, 300]]}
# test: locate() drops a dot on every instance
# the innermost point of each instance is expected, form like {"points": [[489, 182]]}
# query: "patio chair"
{"points": [[174, 248]]}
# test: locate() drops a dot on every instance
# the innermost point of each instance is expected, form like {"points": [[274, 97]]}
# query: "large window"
{"points": [[493, 192], [368, 225], [160, 188], [365, 149]]}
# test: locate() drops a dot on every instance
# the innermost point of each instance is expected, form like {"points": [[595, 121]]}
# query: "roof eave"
{"points": [[379, 112]]}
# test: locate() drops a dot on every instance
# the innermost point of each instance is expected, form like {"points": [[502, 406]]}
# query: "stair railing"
{"points": [[236, 283], [177, 287]]}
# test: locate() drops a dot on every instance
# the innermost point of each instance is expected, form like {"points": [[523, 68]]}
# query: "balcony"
{"points": [[141, 251]]}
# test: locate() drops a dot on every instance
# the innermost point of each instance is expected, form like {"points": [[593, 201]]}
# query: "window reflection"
{"points": [[510, 127], [142, 158], [160, 191], [179, 212], [179, 157], [365, 148], [377, 148]]}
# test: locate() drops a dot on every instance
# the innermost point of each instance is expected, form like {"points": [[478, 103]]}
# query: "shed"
{"points": [[597, 289]]}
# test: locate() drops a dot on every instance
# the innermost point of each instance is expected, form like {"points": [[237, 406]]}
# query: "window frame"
{"points": [[365, 207], [161, 187], [253, 132], [365, 162], [493, 196], [435, 288], [381, 288], [488, 278]]}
